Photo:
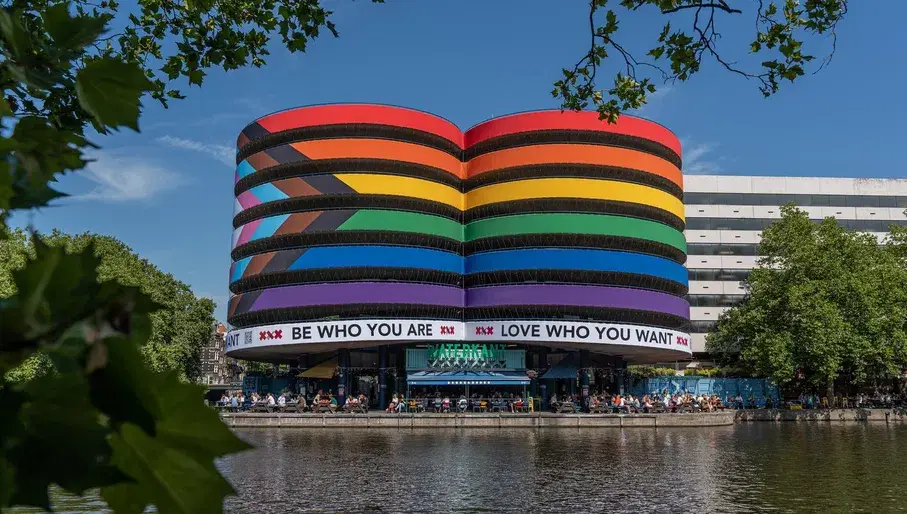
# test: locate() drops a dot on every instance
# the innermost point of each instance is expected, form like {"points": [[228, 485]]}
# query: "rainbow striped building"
{"points": [[370, 239]]}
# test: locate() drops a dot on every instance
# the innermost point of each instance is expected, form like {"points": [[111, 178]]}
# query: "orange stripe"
{"points": [[574, 154], [380, 149]]}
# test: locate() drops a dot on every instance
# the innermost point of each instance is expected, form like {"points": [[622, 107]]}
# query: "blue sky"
{"points": [[167, 192]]}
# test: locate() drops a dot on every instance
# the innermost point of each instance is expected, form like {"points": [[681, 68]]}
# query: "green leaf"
{"points": [[72, 33], [198, 432], [123, 388], [15, 34], [110, 90], [62, 441], [167, 477]]}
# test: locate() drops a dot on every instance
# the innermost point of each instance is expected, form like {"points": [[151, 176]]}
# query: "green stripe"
{"points": [[565, 223], [369, 219]]}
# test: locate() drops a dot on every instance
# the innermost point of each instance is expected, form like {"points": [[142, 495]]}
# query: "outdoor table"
{"points": [[566, 407]]}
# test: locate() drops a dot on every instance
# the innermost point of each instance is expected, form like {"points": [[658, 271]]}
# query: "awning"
{"points": [[565, 369], [437, 378], [324, 370]]}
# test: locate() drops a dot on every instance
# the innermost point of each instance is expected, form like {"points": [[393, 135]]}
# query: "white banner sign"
{"points": [[578, 332], [378, 330], [382, 330]]}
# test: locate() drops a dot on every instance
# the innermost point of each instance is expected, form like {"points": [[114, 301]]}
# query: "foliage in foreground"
{"points": [[823, 303], [776, 52], [178, 331]]}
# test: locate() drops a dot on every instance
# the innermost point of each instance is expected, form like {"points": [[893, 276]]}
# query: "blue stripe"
{"points": [[239, 268], [378, 256], [268, 193], [570, 259], [269, 226], [244, 169]]}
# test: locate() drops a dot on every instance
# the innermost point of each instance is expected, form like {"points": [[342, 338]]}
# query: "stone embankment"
{"points": [[533, 420], [834, 415]]}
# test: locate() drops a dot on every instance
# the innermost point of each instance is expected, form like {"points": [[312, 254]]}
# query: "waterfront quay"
{"points": [[552, 420]]}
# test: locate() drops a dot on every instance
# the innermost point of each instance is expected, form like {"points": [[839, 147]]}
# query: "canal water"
{"points": [[757, 467]]}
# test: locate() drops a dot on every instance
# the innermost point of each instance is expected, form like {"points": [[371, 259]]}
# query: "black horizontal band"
{"points": [[576, 313], [346, 311], [334, 275], [574, 171], [350, 201], [345, 237], [326, 166], [417, 311], [588, 137], [582, 205], [561, 276]]}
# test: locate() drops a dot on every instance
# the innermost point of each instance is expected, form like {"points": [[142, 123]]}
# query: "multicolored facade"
{"points": [[359, 226]]}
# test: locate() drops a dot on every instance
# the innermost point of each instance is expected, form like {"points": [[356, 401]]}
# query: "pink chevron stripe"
{"points": [[247, 230], [247, 199]]}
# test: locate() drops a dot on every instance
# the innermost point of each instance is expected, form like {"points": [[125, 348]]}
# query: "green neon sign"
{"points": [[466, 356]]}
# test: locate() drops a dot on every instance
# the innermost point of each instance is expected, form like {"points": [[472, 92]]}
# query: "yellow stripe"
{"points": [[402, 186], [574, 188]]}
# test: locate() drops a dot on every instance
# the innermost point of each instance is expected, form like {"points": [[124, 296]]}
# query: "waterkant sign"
{"points": [[434, 331], [466, 356]]}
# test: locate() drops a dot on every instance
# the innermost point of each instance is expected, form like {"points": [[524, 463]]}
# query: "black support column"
{"points": [[382, 377]]}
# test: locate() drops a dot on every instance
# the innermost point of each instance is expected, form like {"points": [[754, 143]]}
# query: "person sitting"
{"points": [[445, 405], [462, 403], [393, 405], [333, 402], [282, 401], [401, 405], [271, 401], [234, 404]]}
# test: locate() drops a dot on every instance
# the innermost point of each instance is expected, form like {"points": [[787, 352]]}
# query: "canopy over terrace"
{"points": [[466, 377]]}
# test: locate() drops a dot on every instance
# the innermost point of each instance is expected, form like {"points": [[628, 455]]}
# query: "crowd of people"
{"points": [[321, 402], [601, 402], [422, 402]]}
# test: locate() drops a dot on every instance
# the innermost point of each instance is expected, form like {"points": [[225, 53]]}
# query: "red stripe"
{"points": [[361, 113], [570, 120]]}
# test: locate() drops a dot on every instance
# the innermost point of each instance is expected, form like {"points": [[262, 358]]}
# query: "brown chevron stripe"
{"points": [[258, 263], [296, 186], [285, 153], [298, 222], [242, 140], [282, 260], [244, 303], [329, 185], [261, 160]]}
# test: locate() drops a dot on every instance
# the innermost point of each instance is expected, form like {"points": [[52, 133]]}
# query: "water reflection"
{"points": [[755, 467]]}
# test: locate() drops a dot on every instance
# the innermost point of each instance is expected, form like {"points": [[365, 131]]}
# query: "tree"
{"points": [[823, 303], [777, 51], [178, 332]]}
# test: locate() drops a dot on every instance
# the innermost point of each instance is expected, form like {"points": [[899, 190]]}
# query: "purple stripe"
{"points": [[591, 296], [358, 292]]}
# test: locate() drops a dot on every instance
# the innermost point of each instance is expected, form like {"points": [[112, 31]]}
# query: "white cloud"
{"points": [[699, 158], [120, 178], [223, 153]]}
